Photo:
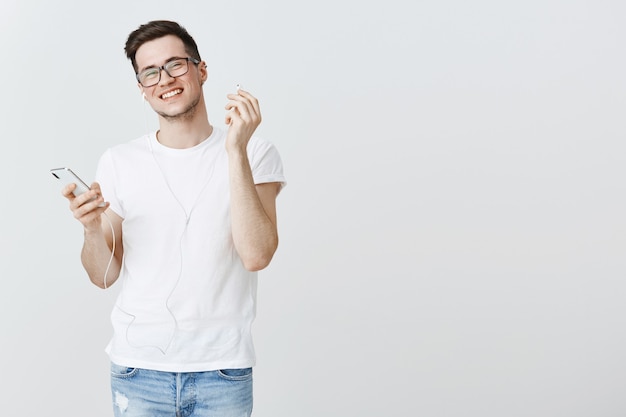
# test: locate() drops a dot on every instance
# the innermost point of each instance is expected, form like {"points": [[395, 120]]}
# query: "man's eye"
{"points": [[175, 65], [151, 73]]}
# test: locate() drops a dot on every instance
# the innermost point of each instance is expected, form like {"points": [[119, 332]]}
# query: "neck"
{"points": [[184, 132]]}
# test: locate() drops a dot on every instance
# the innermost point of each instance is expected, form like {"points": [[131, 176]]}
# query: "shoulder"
{"points": [[132, 153]]}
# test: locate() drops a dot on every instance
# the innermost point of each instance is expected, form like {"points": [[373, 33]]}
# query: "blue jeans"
{"points": [[146, 393]]}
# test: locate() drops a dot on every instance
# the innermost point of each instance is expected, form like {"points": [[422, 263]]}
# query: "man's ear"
{"points": [[204, 72]]}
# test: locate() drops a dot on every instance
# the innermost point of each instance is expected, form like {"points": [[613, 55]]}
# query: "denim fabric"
{"points": [[146, 393]]}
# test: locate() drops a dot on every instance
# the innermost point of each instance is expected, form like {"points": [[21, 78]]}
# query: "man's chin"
{"points": [[178, 116], [183, 115]]}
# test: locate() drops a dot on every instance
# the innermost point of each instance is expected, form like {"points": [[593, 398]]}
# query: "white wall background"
{"points": [[453, 233]]}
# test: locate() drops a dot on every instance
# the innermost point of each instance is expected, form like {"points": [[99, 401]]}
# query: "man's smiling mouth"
{"points": [[172, 93]]}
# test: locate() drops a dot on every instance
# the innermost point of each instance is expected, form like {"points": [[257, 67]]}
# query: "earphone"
{"points": [[163, 346], [106, 272], [187, 214]]}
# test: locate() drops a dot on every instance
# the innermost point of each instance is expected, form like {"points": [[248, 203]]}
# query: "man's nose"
{"points": [[165, 78]]}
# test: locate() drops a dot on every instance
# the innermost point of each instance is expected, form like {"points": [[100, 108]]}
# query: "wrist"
{"points": [[237, 151], [92, 230]]}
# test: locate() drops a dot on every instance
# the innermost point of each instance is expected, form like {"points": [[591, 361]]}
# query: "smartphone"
{"points": [[67, 176]]}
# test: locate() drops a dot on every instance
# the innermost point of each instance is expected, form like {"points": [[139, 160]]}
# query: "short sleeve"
{"points": [[105, 176], [265, 162]]}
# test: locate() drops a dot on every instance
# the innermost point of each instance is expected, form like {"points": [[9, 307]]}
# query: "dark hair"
{"points": [[157, 29]]}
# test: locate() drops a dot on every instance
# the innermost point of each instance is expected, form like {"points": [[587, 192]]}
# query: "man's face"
{"points": [[171, 98]]}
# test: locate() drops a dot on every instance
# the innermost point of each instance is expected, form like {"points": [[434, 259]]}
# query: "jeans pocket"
{"points": [[119, 371], [242, 374]]}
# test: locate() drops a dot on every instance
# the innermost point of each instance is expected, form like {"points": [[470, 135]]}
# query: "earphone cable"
{"points": [[106, 272]]}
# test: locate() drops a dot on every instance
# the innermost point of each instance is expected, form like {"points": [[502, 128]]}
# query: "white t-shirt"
{"points": [[187, 303]]}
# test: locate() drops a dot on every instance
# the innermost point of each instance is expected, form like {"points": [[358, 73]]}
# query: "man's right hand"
{"points": [[87, 207]]}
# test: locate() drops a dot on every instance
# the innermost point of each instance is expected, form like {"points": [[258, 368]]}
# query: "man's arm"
{"points": [[253, 207], [253, 214], [103, 270]]}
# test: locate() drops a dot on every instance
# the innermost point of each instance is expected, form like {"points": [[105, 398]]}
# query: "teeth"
{"points": [[171, 93]]}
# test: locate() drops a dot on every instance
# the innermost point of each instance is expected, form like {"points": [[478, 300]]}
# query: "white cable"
{"points": [[187, 216], [106, 272]]}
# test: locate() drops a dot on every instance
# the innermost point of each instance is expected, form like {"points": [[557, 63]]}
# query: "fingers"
{"points": [[68, 191], [90, 212], [88, 206], [243, 117], [243, 105], [251, 101]]}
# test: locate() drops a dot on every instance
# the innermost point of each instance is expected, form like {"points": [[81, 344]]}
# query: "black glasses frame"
{"points": [[162, 68]]}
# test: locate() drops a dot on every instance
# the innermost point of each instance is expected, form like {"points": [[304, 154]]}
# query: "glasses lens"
{"points": [[149, 77], [177, 67]]}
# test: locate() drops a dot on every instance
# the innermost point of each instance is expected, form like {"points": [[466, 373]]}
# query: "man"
{"points": [[190, 217]]}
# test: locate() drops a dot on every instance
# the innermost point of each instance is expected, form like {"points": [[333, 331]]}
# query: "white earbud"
{"points": [[143, 97]]}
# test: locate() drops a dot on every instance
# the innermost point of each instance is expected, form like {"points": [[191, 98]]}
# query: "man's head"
{"points": [[170, 71], [157, 29]]}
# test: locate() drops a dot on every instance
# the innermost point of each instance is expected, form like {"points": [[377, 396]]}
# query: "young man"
{"points": [[190, 217]]}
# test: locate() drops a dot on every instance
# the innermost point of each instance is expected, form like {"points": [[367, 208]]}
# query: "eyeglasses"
{"points": [[174, 68]]}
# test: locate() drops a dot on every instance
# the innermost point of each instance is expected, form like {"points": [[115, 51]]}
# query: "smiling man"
{"points": [[189, 219]]}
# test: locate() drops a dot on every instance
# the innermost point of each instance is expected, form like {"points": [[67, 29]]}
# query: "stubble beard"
{"points": [[185, 115]]}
